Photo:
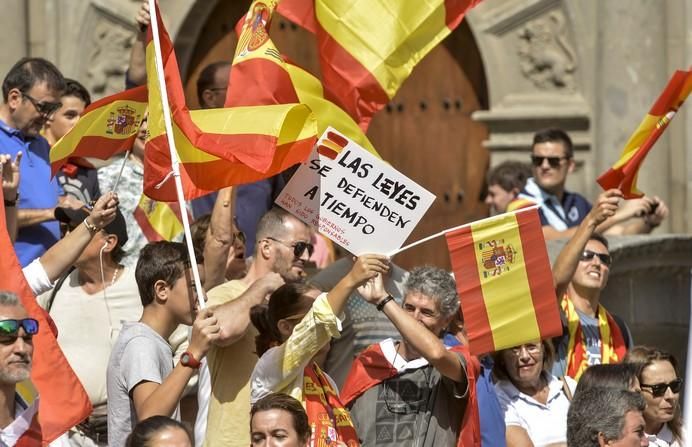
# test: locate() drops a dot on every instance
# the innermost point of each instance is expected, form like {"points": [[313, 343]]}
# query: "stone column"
{"points": [[13, 22]]}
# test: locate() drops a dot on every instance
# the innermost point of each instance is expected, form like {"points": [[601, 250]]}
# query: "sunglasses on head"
{"points": [[298, 247], [588, 255], [554, 162], [11, 327], [44, 108], [659, 389]]}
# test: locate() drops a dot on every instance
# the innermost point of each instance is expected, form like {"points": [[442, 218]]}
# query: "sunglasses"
{"points": [[298, 247], [554, 162], [659, 389], [44, 108], [10, 328], [588, 255]]}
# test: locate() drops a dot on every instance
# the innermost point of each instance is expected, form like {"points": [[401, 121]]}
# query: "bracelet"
{"points": [[385, 300], [12, 202], [92, 228]]}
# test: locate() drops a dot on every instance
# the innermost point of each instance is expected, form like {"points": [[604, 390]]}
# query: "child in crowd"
{"points": [[142, 380], [294, 333]]}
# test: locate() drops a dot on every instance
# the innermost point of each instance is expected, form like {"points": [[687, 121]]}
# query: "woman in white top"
{"points": [[534, 402], [660, 385]]}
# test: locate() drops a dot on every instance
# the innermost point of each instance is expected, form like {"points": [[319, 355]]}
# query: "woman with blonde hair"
{"points": [[660, 385]]}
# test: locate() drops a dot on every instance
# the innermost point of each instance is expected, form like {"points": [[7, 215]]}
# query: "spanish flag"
{"points": [[218, 147], [367, 49], [623, 174], [260, 75], [107, 127], [63, 402], [159, 221], [504, 281]]}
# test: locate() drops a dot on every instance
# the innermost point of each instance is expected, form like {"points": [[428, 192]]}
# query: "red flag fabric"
{"points": [[63, 401], [623, 174]]}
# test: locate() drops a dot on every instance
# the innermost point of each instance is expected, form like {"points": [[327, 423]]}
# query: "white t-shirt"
{"points": [[37, 277], [545, 424], [663, 438]]}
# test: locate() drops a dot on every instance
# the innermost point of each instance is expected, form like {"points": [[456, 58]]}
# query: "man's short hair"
{"points": [[74, 88], [206, 78], [554, 135], [435, 283], [272, 224], [163, 260], [600, 410], [599, 238], [29, 71], [510, 175], [9, 299]]}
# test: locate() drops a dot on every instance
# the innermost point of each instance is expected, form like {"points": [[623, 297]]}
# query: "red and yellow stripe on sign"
{"points": [[106, 127], [504, 281], [159, 221], [369, 48], [623, 174]]}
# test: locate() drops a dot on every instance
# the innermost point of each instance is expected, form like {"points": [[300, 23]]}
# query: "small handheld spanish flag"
{"points": [[623, 174], [159, 221], [504, 281]]}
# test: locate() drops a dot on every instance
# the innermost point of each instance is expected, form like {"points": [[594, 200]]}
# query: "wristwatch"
{"points": [[189, 360]]}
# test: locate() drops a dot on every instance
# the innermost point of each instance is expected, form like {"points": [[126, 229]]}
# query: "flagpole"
{"points": [[443, 232], [122, 168], [175, 161]]}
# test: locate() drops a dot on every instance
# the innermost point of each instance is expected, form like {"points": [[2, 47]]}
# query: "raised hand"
{"points": [[205, 330], [10, 175], [104, 210], [367, 267], [373, 290], [659, 213], [606, 206]]}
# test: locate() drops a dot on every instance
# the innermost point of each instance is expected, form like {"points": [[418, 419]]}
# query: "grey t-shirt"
{"points": [[139, 355], [419, 407]]}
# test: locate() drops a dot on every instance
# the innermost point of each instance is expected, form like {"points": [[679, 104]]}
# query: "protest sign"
{"points": [[352, 197]]}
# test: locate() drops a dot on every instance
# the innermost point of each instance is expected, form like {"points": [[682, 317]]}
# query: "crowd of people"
{"points": [[297, 346]]}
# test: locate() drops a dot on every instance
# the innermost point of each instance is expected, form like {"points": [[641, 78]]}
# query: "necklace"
{"points": [[115, 275]]}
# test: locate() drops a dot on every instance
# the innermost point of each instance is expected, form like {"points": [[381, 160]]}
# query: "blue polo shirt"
{"points": [[560, 215], [37, 190]]}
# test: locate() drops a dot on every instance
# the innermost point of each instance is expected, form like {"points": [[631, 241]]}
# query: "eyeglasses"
{"points": [[659, 389], [588, 255], [554, 162], [10, 328], [531, 348], [298, 247], [44, 108]]}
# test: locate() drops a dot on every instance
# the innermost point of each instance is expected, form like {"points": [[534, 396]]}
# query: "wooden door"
{"points": [[426, 132]]}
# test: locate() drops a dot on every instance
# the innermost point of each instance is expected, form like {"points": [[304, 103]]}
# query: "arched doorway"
{"points": [[426, 132]]}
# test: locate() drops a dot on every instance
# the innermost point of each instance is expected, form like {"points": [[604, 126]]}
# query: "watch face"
{"points": [[185, 358]]}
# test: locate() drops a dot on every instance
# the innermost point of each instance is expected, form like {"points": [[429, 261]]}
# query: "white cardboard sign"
{"points": [[352, 197]]}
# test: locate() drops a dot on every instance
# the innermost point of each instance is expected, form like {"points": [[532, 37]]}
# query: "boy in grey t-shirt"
{"points": [[141, 378]]}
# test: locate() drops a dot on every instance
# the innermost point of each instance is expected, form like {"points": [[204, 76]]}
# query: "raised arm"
{"points": [[219, 239], [366, 268], [568, 259], [137, 70], [426, 343]]}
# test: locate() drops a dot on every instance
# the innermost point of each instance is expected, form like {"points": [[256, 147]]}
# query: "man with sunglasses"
{"points": [[281, 251], [591, 334], [31, 92], [561, 211]]}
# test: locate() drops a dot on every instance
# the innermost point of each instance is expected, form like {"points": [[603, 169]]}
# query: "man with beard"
{"points": [[282, 248], [31, 92]]}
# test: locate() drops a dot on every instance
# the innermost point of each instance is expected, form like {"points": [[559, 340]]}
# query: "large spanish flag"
{"points": [[218, 147], [106, 127], [504, 281], [367, 49], [159, 221], [623, 174], [63, 402], [261, 75]]}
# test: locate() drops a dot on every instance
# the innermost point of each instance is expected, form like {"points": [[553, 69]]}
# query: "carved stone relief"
{"points": [[545, 54]]}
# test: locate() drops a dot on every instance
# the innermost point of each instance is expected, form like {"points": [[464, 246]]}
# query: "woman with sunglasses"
{"points": [[661, 386], [295, 328], [534, 402]]}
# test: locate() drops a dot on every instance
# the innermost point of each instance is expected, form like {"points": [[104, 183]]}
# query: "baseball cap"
{"points": [[74, 217]]}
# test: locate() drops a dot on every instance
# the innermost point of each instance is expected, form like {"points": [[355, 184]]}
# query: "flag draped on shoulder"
{"points": [[623, 174], [107, 127], [159, 221], [504, 281], [367, 49], [63, 402], [217, 147], [260, 75]]}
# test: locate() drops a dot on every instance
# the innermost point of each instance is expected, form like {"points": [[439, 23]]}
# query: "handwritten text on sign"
{"points": [[354, 198]]}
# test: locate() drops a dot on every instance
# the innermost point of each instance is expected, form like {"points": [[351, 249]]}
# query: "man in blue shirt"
{"points": [[30, 92], [561, 211]]}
